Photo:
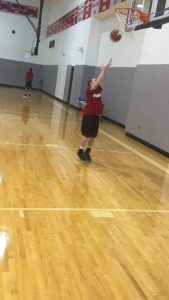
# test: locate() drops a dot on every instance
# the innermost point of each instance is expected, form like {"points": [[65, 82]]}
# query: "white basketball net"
{"points": [[27, 54], [128, 20]]}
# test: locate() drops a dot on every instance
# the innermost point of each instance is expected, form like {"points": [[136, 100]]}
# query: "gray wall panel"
{"points": [[13, 73], [143, 101], [117, 93], [80, 78], [67, 83], [88, 73], [160, 132], [76, 85], [50, 79], [148, 117], [165, 137]]}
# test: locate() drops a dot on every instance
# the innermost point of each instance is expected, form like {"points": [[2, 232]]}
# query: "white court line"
{"points": [[69, 209], [98, 150], [132, 150], [146, 158], [21, 214], [59, 147], [20, 144]]}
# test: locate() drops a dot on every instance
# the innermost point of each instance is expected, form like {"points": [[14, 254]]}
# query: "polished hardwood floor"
{"points": [[69, 230]]}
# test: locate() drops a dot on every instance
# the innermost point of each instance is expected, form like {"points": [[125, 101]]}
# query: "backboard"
{"points": [[158, 9]]}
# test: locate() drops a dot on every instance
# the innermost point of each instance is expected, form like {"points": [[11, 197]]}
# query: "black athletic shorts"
{"points": [[90, 126], [28, 84]]}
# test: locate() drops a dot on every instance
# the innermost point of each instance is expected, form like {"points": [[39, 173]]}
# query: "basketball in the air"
{"points": [[115, 35]]}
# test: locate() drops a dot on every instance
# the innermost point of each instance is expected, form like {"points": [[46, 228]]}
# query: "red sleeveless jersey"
{"points": [[94, 105], [29, 76]]}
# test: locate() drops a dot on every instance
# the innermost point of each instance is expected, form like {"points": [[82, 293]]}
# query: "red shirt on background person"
{"points": [[28, 84], [29, 76]]}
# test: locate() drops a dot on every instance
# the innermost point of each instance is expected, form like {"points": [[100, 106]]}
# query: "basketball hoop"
{"points": [[129, 18]]}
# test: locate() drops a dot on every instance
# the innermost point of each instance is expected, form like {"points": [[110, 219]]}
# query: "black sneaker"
{"points": [[81, 155], [88, 157]]}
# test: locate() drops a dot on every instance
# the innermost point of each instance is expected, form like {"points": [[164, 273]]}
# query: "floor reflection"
{"points": [[63, 121], [25, 111], [37, 106], [3, 243]]}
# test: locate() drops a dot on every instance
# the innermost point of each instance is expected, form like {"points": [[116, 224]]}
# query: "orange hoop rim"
{"points": [[126, 11]]}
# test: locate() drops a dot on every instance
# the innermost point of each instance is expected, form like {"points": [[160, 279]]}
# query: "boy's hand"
{"points": [[105, 67]]}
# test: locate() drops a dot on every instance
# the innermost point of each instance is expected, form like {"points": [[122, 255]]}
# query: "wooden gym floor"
{"points": [[69, 230]]}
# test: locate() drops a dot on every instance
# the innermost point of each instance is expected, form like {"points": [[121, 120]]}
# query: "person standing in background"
{"points": [[28, 83]]}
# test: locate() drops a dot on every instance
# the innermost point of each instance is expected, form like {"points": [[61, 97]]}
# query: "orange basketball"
{"points": [[144, 17], [115, 35]]}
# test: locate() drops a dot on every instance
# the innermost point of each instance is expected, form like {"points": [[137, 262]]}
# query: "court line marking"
{"points": [[59, 147], [21, 144], [69, 209], [99, 150], [21, 214], [143, 156], [102, 214], [131, 150]]}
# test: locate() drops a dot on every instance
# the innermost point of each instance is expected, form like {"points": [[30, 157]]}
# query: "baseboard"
{"points": [[18, 87], [113, 121], [148, 144]]}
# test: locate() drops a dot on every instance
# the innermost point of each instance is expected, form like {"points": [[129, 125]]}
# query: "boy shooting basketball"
{"points": [[94, 108], [28, 85]]}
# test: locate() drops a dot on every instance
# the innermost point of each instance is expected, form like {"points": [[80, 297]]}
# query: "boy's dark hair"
{"points": [[89, 81], [31, 69]]}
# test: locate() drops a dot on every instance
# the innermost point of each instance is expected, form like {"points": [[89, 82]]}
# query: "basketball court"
{"points": [[73, 230]]}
